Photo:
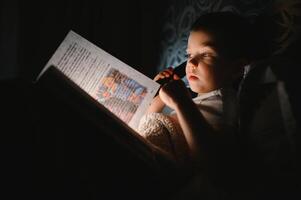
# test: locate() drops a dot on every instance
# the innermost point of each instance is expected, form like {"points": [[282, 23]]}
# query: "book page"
{"points": [[121, 89]]}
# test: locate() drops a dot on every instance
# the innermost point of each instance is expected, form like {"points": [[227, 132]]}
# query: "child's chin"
{"points": [[195, 89], [199, 89]]}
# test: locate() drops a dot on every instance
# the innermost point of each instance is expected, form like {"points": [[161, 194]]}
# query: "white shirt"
{"points": [[219, 107]]}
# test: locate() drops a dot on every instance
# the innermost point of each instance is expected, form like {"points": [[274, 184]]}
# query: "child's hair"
{"points": [[231, 32]]}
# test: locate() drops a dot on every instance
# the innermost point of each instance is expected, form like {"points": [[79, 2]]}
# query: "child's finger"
{"points": [[170, 70], [176, 77], [166, 73], [161, 75]]}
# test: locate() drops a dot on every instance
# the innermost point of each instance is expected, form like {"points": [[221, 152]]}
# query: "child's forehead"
{"points": [[200, 39], [200, 35]]}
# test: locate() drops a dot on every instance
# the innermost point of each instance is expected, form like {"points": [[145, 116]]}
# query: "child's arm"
{"points": [[202, 139], [157, 104], [176, 96]]}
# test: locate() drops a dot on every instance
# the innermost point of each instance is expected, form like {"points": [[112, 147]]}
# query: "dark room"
{"points": [[159, 99]]}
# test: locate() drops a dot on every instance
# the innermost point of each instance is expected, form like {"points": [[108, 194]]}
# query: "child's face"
{"points": [[206, 69]]}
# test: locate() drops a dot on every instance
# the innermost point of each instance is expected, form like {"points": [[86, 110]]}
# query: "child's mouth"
{"points": [[192, 78]]}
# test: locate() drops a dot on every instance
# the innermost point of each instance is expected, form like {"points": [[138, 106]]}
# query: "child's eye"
{"points": [[206, 55]]}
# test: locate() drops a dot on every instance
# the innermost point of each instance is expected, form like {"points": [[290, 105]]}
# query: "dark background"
{"points": [[48, 149], [31, 31]]}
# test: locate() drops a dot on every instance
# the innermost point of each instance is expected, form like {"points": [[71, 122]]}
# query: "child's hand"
{"points": [[167, 73], [174, 94]]}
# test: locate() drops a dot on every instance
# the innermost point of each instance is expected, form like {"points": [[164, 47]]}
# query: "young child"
{"points": [[217, 51]]}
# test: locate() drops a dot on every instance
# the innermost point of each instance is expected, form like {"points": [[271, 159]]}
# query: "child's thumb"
{"points": [[176, 77]]}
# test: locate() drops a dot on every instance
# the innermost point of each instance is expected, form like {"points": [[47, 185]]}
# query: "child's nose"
{"points": [[192, 67], [194, 61]]}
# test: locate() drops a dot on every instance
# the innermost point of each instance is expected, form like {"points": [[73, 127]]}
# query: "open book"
{"points": [[118, 87], [109, 97]]}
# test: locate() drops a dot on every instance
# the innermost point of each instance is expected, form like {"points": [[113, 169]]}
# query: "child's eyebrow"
{"points": [[209, 44]]}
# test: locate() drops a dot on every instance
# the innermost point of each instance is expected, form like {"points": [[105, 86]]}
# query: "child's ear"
{"points": [[239, 67], [240, 63]]}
